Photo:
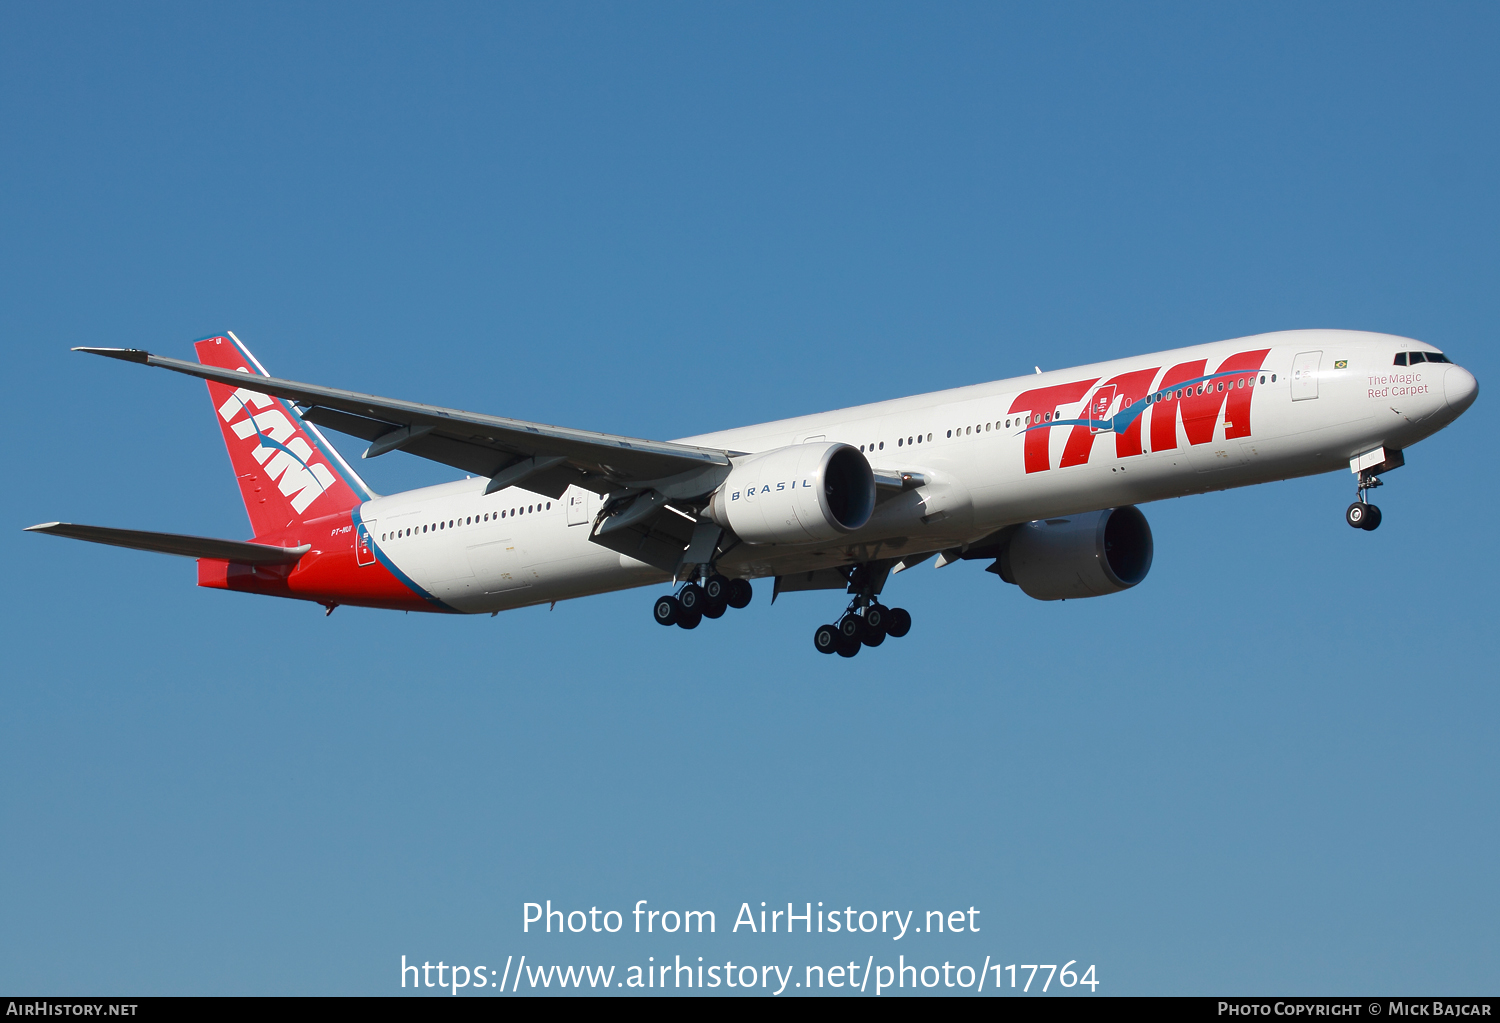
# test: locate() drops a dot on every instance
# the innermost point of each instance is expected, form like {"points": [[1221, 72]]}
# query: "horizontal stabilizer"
{"points": [[237, 551]]}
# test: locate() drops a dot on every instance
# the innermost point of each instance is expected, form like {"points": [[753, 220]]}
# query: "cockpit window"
{"points": [[1415, 358]]}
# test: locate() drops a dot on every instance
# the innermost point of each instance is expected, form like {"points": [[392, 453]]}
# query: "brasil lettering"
{"points": [[754, 489], [1119, 405]]}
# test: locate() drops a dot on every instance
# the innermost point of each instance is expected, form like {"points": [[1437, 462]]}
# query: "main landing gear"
{"points": [[865, 622], [695, 602], [1360, 514], [855, 630]]}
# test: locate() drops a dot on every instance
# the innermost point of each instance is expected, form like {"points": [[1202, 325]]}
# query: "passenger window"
{"points": [[882, 445], [929, 438], [950, 433], [898, 442], [549, 505], [1273, 378]]}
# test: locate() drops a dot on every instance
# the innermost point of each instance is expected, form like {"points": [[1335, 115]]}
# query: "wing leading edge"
{"points": [[512, 452]]}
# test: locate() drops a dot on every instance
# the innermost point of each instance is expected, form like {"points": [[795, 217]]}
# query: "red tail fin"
{"points": [[285, 474]]}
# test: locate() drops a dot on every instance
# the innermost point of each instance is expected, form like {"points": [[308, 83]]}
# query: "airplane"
{"points": [[1040, 475]]}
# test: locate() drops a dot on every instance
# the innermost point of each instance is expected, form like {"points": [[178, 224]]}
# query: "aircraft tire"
{"points": [[1372, 518], [1356, 513], [692, 598], [897, 622], [826, 639], [714, 608], [689, 619], [716, 588], [876, 616], [739, 593], [848, 647], [666, 610], [852, 627]]}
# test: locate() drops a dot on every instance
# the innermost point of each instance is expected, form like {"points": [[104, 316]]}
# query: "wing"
{"points": [[175, 543], [546, 459]]}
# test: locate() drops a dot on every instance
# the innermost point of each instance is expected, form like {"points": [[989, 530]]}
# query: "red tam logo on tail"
{"points": [[281, 472]]}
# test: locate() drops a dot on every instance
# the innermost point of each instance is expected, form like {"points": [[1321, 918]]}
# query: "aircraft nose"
{"points": [[1460, 388]]}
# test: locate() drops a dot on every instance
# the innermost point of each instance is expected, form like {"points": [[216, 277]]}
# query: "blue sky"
{"points": [[1269, 768]]}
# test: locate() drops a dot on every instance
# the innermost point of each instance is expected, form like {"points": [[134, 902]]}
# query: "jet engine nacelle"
{"points": [[805, 493], [1085, 555]]}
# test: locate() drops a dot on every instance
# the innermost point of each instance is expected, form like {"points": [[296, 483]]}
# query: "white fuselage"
{"points": [[1313, 401]]}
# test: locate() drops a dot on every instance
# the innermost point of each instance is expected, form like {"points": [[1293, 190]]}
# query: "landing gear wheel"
{"points": [[847, 647], [692, 597], [852, 627], [688, 619], [714, 608], [873, 637], [876, 617], [897, 622], [826, 639], [739, 593], [1372, 517], [666, 610], [716, 589]]}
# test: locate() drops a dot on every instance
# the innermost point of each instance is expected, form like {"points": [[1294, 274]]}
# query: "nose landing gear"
{"points": [[1361, 514]]}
